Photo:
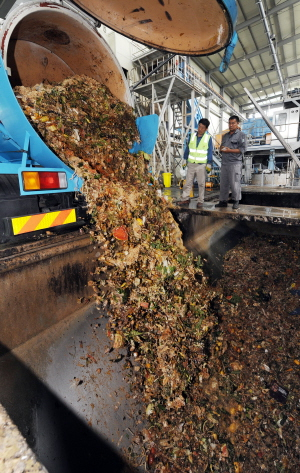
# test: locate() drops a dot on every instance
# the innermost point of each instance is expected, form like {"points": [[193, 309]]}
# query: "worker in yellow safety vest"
{"points": [[198, 154]]}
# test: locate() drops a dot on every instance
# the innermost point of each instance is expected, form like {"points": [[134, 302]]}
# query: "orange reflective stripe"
{"points": [[32, 223], [61, 217]]}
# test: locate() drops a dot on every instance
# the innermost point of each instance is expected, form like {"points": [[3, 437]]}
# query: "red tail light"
{"points": [[43, 180]]}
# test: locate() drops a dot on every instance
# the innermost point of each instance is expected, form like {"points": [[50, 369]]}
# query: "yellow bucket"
{"points": [[167, 178]]}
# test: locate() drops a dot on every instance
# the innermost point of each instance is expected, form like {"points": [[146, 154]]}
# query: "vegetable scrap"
{"points": [[216, 369]]}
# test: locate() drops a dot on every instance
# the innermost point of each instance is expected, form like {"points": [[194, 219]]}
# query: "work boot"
{"points": [[183, 202], [235, 205], [199, 205], [222, 203]]}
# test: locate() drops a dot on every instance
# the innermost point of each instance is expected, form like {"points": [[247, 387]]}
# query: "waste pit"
{"points": [[251, 394], [212, 368], [65, 389]]}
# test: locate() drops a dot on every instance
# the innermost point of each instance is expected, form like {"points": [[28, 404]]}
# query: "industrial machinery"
{"points": [[55, 40], [272, 155]]}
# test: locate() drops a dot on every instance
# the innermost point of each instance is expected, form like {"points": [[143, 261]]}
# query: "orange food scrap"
{"points": [[120, 233]]}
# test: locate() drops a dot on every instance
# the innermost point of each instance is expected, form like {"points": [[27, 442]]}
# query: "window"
{"points": [[280, 119]]}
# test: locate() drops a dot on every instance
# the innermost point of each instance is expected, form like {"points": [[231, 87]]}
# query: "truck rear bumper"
{"points": [[22, 217], [32, 223]]}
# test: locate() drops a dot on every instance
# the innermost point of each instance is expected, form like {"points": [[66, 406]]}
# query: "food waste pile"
{"points": [[201, 369], [252, 395]]}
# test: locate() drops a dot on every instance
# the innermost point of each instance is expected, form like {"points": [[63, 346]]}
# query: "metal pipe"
{"points": [[264, 18], [273, 129]]}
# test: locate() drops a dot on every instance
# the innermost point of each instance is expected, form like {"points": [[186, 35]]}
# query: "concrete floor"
{"points": [[270, 214]]}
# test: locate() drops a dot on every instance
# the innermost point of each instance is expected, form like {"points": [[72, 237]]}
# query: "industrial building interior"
{"points": [[149, 337], [183, 89]]}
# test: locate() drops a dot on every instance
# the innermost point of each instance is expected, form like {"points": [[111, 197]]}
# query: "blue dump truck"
{"points": [[50, 41], [37, 190]]}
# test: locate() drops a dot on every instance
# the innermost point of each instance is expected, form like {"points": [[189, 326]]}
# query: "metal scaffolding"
{"points": [[178, 94]]}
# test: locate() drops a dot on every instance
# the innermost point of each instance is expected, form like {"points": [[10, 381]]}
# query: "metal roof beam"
{"points": [[260, 89], [249, 22], [264, 72], [260, 51], [253, 36], [267, 106], [270, 12], [261, 100]]}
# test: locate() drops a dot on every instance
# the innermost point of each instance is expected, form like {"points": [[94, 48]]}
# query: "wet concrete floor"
{"points": [[250, 213]]}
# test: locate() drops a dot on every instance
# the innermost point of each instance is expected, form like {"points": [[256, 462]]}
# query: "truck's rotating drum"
{"points": [[52, 42]]}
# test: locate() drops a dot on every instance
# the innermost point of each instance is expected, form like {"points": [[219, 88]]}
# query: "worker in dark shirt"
{"points": [[198, 154], [233, 146]]}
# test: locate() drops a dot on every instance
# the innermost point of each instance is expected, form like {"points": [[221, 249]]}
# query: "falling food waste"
{"points": [[206, 356]]}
